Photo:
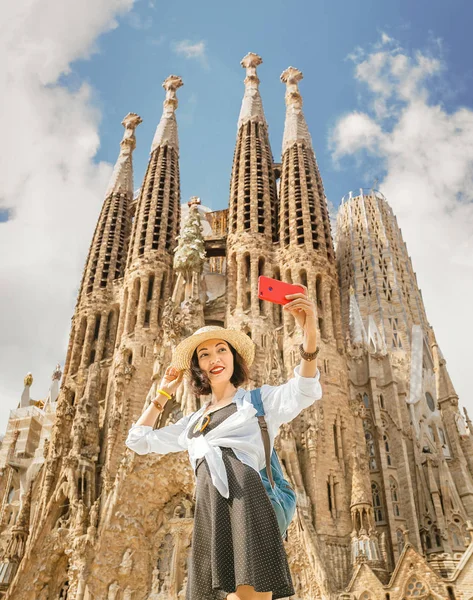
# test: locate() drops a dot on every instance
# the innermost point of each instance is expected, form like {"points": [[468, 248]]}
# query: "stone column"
{"points": [[101, 337], [240, 282], [254, 285], [131, 308], [141, 308], [89, 334]]}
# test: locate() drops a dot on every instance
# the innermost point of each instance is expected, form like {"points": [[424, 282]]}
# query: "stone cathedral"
{"points": [[382, 465]]}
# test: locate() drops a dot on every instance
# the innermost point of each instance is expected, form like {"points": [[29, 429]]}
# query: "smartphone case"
{"points": [[275, 291]]}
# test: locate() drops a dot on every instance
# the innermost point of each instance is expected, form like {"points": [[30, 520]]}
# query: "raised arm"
{"points": [[143, 439], [282, 403]]}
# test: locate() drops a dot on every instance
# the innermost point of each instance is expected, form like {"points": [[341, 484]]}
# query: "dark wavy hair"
{"points": [[200, 382]]}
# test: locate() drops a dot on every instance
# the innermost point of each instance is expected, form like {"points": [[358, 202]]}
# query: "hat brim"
{"points": [[183, 352]]}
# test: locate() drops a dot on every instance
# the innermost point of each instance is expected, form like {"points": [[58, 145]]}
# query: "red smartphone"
{"points": [[274, 290]]}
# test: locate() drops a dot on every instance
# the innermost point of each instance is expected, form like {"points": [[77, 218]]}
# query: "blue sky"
{"points": [[388, 94], [316, 37]]}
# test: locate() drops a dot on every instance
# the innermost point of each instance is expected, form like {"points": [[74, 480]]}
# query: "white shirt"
{"points": [[240, 431]]}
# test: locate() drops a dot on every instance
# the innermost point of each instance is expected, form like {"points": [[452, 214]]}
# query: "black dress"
{"points": [[236, 540]]}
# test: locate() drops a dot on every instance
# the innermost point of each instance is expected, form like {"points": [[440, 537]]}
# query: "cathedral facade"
{"points": [[382, 464]]}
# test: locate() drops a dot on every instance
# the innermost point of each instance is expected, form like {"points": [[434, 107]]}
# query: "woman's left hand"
{"points": [[303, 311]]}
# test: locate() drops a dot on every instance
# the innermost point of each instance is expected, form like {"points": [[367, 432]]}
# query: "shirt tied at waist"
{"points": [[231, 433]]}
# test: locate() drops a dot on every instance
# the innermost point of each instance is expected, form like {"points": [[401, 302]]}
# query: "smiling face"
{"points": [[215, 360]]}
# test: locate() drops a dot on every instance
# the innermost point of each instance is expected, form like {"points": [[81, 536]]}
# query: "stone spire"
{"points": [[304, 219], [252, 105], [253, 196], [122, 176], [54, 387], [158, 213], [372, 253], [166, 132], [446, 389], [295, 129], [107, 254]]}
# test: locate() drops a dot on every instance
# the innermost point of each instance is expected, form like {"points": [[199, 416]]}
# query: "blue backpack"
{"points": [[282, 496]]}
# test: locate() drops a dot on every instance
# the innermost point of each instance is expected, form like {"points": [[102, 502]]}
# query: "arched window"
{"points": [[394, 496], [11, 493], [456, 538], [366, 400], [431, 433], [335, 440], [381, 401], [377, 504], [437, 537], [442, 436], [370, 449], [443, 441], [387, 450], [428, 541], [303, 277]]}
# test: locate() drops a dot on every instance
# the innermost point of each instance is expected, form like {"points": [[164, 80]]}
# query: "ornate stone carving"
{"points": [[126, 564]]}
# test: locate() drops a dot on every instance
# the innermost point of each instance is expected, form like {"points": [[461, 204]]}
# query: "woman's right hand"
{"points": [[171, 380]]}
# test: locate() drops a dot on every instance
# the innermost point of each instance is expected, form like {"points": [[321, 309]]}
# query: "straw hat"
{"points": [[240, 341]]}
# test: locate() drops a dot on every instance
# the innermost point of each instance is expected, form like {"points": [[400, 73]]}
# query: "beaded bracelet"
{"points": [[308, 355]]}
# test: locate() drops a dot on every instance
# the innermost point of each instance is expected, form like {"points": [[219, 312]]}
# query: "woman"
{"points": [[237, 549]]}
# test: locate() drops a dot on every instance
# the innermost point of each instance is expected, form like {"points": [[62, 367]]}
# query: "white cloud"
{"points": [[426, 153], [50, 182], [191, 50]]}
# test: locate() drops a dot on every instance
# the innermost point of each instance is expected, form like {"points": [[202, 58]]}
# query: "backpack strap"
{"points": [[258, 404]]}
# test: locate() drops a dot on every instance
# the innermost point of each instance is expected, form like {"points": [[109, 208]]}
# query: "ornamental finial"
{"points": [[194, 201], [171, 84], [130, 123], [250, 62], [291, 77]]}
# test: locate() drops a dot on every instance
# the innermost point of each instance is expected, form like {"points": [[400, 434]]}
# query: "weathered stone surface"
{"points": [[382, 465]]}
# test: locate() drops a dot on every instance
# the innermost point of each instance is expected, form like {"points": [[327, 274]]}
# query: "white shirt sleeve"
{"points": [[282, 403], [143, 439]]}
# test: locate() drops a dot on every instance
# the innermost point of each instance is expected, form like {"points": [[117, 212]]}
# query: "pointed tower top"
{"points": [[122, 176], [166, 132], [446, 388], [252, 105], [295, 129]]}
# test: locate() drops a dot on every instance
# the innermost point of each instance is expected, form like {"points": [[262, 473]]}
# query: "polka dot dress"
{"points": [[236, 541]]}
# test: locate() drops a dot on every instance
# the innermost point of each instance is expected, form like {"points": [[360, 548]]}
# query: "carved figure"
{"points": [[113, 589], [127, 562]]}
